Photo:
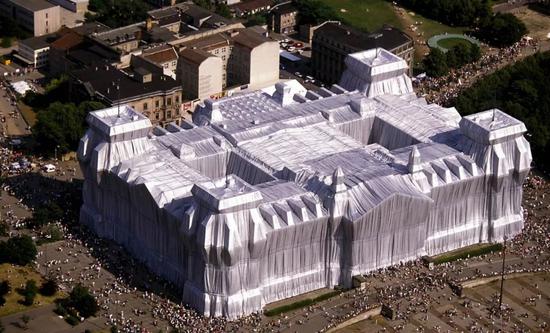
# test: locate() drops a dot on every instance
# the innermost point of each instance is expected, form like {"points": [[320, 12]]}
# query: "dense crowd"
{"points": [[445, 89]]}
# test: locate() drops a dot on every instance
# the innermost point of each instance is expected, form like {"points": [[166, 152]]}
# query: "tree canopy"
{"points": [[501, 30], [60, 126], [118, 13], [84, 302], [437, 63], [497, 30], [451, 12], [314, 11], [523, 91], [19, 250]]}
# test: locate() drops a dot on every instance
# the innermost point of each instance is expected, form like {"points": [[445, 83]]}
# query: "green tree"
{"points": [[59, 126], [256, 19], [501, 30], [223, 10], [207, 4], [84, 302], [435, 63], [314, 11], [47, 213], [4, 228], [523, 91], [451, 12], [4, 287], [118, 13], [6, 42], [49, 287], [29, 292], [475, 52], [19, 250]]}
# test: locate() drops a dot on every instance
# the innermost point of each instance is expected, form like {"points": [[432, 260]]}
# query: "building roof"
{"points": [[68, 40], [387, 37], [196, 56], [33, 5], [200, 17], [121, 35], [250, 39], [252, 5], [165, 16], [105, 79], [89, 28], [41, 42], [210, 42], [160, 54], [285, 8]]}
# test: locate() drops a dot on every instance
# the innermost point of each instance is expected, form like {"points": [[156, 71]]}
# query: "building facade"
{"points": [[247, 59], [75, 6], [283, 18], [332, 42], [201, 74], [143, 85], [38, 16], [35, 51]]}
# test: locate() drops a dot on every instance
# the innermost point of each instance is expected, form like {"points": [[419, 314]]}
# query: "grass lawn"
{"points": [[365, 14], [449, 43], [18, 276], [28, 114], [475, 250], [431, 28]]}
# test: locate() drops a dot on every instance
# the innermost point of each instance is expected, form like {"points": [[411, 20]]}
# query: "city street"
{"points": [[14, 125]]}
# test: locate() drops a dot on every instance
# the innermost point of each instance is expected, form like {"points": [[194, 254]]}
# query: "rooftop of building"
{"points": [[284, 8], [250, 38], [41, 42], [89, 28], [387, 37], [196, 56], [123, 85], [165, 16], [247, 37], [33, 5], [120, 35], [246, 6], [160, 54]]}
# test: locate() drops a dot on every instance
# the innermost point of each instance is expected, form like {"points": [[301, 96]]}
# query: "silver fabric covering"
{"points": [[274, 193]]}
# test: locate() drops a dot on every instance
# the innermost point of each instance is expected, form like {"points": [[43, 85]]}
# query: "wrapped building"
{"points": [[277, 192]]}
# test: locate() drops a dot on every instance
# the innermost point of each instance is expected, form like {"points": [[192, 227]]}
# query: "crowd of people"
{"points": [[444, 90]]}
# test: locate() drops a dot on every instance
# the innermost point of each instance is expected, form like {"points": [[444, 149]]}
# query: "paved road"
{"points": [[15, 125]]}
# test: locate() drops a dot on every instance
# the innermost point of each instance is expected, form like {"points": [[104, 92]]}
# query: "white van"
{"points": [[48, 168]]}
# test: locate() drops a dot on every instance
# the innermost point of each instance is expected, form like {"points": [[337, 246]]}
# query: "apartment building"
{"points": [[75, 6], [332, 42], [201, 74], [38, 16], [143, 86], [283, 18], [248, 58], [35, 51], [164, 56], [255, 60]]}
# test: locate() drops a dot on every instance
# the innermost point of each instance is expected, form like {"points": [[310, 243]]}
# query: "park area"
{"points": [[17, 277], [369, 15]]}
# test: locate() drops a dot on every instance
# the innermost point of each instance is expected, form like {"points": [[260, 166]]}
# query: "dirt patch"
{"points": [[537, 23]]}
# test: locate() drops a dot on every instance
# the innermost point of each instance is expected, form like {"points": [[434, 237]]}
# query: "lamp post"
{"points": [[502, 275]]}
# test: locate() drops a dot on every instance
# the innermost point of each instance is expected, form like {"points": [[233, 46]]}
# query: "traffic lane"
{"points": [[14, 124]]}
